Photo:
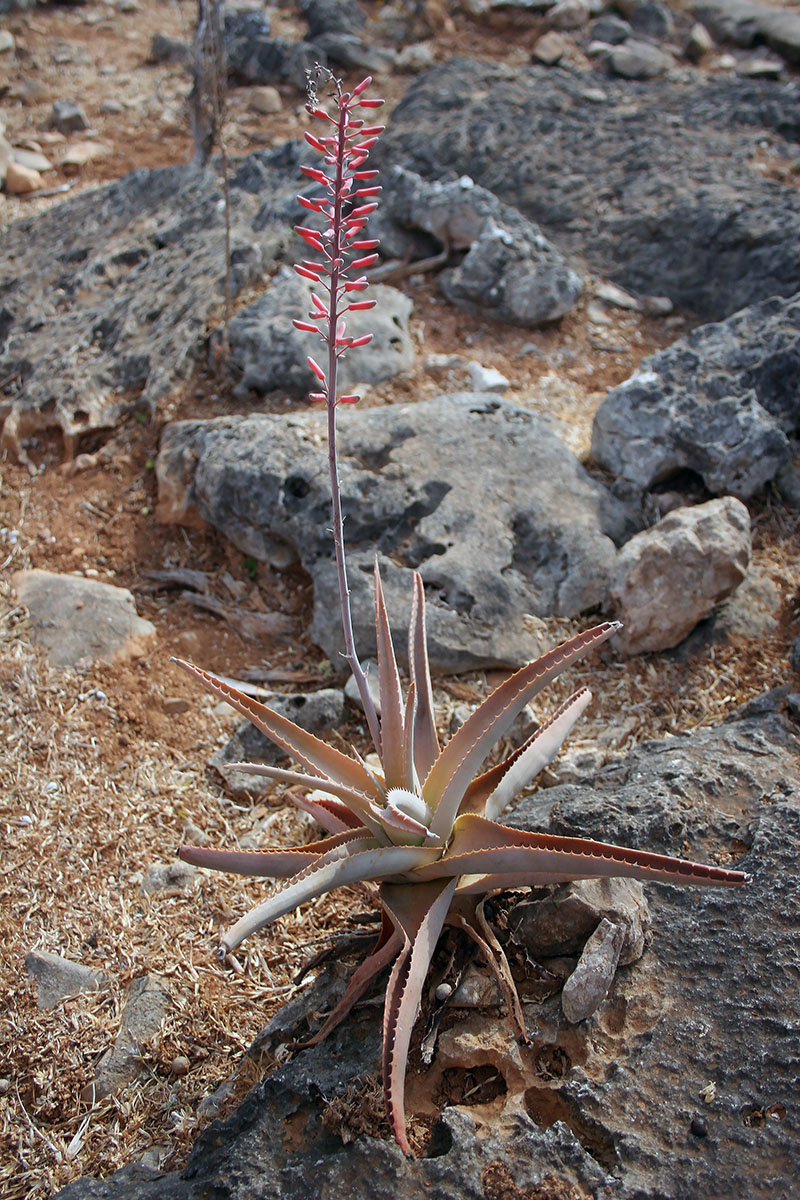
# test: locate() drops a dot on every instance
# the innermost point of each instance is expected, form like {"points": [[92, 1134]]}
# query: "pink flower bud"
{"points": [[349, 399], [363, 147], [315, 174], [314, 205], [364, 340], [318, 395], [369, 191], [316, 368], [311, 236], [306, 327], [370, 103], [308, 274], [370, 174], [358, 305], [315, 300], [361, 87], [367, 244], [364, 210], [315, 142], [356, 285], [372, 131], [367, 261]]}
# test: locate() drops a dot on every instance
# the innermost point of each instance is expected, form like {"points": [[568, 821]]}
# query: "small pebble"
{"points": [[699, 1127], [180, 1065]]}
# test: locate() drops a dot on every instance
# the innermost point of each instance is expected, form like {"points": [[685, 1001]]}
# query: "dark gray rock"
{"points": [[690, 796], [610, 29], [333, 16], [719, 403], [794, 654], [635, 59], [408, 475], [168, 49], [68, 117], [267, 352], [352, 53], [510, 270], [127, 278], [749, 24], [619, 1106], [648, 17], [317, 712], [654, 187]]}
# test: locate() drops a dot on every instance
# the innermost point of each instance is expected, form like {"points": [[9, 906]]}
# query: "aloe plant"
{"points": [[423, 828]]}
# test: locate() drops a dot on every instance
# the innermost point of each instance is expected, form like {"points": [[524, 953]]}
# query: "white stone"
{"points": [[486, 379], [668, 578], [22, 180], [266, 100]]}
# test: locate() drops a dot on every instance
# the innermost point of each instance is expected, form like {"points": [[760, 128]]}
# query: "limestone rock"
{"points": [[80, 620], [669, 577], [685, 215], [538, 549], [718, 402], [268, 353], [20, 180], [155, 239], [68, 117], [568, 14], [638, 60], [266, 100], [699, 43], [747, 24], [510, 270], [59, 979], [587, 986], [550, 48], [561, 921], [176, 876], [145, 1009]]}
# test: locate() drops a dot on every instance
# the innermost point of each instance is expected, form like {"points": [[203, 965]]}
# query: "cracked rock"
{"points": [[490, 570], [560, 922], [587, 986]]}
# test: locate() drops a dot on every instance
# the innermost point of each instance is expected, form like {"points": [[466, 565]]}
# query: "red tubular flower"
{"points": [[346, 204]]}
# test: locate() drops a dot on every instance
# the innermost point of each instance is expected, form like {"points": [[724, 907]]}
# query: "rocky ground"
{"points": [[107, 766]]}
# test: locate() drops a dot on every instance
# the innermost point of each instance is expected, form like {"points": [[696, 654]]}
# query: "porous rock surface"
{"points": [[510, 272], [613, 1105], [667, 578], [106, 297], [654, 185], [719, 402], [545, 545], [268, 353]]}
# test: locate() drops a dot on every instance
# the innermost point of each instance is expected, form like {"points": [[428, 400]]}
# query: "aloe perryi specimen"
{"points": [[423, 827]]}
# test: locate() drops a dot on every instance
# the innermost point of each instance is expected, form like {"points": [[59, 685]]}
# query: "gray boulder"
{"points": [[667, 578], [80, 621], [749, 24], [537, 537], [510, 271], [267, 352], [636, 59], [126, 278], [718, 402], [654, 187]]}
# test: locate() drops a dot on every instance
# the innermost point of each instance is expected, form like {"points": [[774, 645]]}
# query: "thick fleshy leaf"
{"points": [[419, 913], [463, 755], [270, 863], [392, 708], [386, 950], [541, 749], [354, 802], [426, 741], [480, 846], [302, 746], [354, 862]]}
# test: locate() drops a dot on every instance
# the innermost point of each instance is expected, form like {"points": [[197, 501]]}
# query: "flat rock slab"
{"points": [[654, 185], [106, 297], [479, 495], [145, 1008], [628, 1111], [81, 620], [719, 402], [58, 978]]}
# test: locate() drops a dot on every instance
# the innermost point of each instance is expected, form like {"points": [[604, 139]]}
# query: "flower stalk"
{"points": [[346, 206]]}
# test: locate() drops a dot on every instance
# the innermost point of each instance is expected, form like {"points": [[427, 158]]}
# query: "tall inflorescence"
{"points": [[345, 198]]}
